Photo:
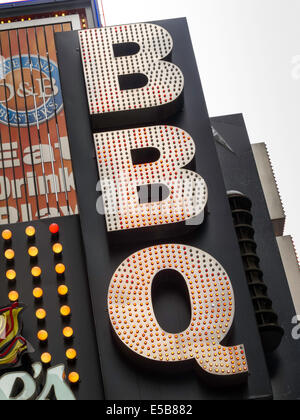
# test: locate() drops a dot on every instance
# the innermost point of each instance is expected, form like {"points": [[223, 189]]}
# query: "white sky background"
{"points": [[248, 53]]}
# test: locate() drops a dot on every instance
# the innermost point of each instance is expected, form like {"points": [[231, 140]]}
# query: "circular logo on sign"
{"points": [[29, 90]]}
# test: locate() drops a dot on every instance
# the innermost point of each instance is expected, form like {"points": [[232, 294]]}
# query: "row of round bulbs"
{"points": [[38, 292], [23, 19]]}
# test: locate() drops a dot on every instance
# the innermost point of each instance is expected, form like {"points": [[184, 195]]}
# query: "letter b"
{"points": [[127, 83], [122, 175]]}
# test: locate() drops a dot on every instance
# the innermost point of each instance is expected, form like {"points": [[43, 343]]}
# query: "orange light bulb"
{"points": [[33, 251], [74, 377], [13, 296], [68, 332], [11, 275], [9, 254], [65, 311], [36, 271], [43, 335], [30, 231], [6, 235], [71, 354], [41, 314], [57, 248], [63, 290], [60, 268], [46, 358], [38, 293]]}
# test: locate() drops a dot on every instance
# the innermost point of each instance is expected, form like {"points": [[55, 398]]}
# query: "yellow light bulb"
{"points": [[6, 235], [13, 296], [57, 248], [9, 254], [68, 332], [74, 377], [63, 290], [60, 268], [41, 314], [46, 358], [36, 271], [38, 293], [71, 354], [65, 311], [11, 275], [33, 251], [42, 335], [30, 231]]}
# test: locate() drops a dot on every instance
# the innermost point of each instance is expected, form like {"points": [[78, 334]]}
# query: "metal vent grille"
{"points": [[267, 319]]}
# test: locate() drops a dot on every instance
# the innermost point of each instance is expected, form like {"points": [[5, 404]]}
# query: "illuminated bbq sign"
{"points": [[144, 296], [115, 61]]}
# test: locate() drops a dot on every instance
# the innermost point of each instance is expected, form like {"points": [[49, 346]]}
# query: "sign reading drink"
{"points": [[36, 175]]}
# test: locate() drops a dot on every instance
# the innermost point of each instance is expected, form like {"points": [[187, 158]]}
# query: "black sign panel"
{"points": [[37, 282], [125, 376]]}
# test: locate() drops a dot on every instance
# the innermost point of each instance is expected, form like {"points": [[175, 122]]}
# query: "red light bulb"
{"points": [[54, 228]]}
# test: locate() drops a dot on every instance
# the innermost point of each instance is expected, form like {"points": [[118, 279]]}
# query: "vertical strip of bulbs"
{"points": [[11, 274], [65, 309], [38, 292]]}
